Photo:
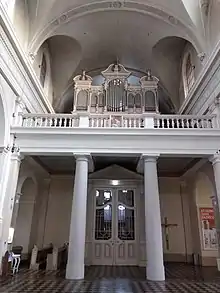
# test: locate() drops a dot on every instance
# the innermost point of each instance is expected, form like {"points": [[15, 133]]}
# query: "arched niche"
{"points": [[82, 100], [25, 233], [150, 101], [130, 101]]}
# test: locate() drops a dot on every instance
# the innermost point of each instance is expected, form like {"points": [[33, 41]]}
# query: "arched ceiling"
{"points": [[107, 30]]}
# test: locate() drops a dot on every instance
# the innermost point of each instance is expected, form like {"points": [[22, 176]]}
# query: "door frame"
{"points": [[114, 190]]}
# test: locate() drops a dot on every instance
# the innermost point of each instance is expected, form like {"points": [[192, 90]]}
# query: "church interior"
{"points": [[109, 146]]}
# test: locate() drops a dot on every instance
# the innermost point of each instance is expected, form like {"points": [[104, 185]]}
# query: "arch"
{"points": [[22, 180], [188, 72], [144, 9], [82, 100], [25, 220]]}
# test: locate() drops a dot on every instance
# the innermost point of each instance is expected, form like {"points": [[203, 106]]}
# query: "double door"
{"points": [[114, 227]]}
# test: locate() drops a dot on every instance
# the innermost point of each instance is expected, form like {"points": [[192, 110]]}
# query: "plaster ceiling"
{"points": [[174, 167], [107, 30]]}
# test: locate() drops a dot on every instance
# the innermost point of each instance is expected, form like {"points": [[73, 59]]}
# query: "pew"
{"points": [[39, 257], [58, 259]]}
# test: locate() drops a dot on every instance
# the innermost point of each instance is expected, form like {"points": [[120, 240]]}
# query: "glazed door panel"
{"points": [[114, 233], [103, 238], [125, 241]]}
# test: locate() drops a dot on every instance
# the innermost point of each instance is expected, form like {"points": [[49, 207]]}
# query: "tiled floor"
{"points": [[180, 279]]}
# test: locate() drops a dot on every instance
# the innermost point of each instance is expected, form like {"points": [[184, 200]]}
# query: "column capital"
{"points": [[85, 157], [215, 158], [82, 156], [17, 156], [150, 158]]}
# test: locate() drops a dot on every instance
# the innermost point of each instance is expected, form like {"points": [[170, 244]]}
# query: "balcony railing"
{"points": [[116, 121]]}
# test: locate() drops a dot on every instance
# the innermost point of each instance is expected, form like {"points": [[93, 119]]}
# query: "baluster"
{"points": [[196, 125], [41, 122], [60, 121], [35, 122], [24, 122], [50, 122], [65, 122], [172, 123], [162, 122], [130, 122]]}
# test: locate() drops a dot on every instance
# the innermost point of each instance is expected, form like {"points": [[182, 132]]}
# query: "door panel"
{"points": [[125, 247], [114, 227], [103, 253]]}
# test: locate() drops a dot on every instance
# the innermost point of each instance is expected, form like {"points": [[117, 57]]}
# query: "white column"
{"points": [[75, 264], [5, 161], [154, 244], [215, 160], [8, 203]]}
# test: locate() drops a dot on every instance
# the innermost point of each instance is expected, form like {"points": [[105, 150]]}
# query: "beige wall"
{"points": [[59, 211]]}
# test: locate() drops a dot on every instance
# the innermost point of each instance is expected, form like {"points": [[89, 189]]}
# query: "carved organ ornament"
{"points": [[115, 94]]}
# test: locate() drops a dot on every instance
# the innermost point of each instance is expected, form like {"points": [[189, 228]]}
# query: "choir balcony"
{"points": [[116, 117], [117, 133], [117, 120]]}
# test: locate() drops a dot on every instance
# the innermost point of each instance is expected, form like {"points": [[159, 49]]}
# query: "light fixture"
{"points": [[115, 182]]}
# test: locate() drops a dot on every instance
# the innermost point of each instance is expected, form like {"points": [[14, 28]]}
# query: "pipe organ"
{"points": [[116, 94]]}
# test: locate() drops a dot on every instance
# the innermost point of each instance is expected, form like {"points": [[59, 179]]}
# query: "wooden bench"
{"points": [[58, 259], [39, 257]]}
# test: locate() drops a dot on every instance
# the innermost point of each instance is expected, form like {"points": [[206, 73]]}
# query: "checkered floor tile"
{"points": [[180, 278]]}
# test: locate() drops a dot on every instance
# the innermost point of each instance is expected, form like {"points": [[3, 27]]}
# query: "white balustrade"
{"points": [[184, 121], [119, 120], [50, 120]]}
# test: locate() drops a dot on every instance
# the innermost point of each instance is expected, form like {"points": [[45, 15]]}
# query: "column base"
{"points": [[75, 272], [155, 273]]}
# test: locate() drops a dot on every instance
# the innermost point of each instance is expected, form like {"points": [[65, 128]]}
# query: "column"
{"points": [[5, 161], [75, 263], [215, 160], [7, 207], [153, 231]]}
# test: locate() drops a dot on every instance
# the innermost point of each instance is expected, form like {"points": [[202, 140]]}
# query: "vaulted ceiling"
{"points": [[103, 30]]}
